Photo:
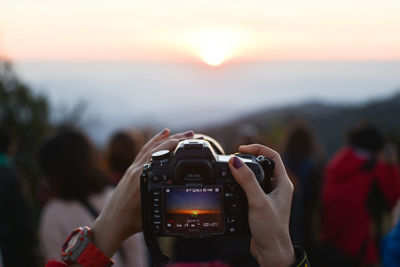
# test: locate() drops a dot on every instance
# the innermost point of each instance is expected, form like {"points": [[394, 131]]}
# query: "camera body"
{"points": [[191, 192]]}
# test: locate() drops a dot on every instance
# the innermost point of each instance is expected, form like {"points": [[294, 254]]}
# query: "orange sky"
{"points": [[196, 30]]}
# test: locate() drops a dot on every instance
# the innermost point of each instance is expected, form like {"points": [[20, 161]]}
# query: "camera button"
{"points": [[156, 211], [157, 216], [228, 195], [156, 204], [161, 156], [231, 220], [156, 193], [156, 179], [232, 229], [165, 177], [234, 207], [224, 171]]}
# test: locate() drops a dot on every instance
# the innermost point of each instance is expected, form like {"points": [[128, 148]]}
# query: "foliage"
{"points": [[26, 115]]}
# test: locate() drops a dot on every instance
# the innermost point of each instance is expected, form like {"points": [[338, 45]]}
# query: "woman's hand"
{"points": [[268, 213], [121, 217]]}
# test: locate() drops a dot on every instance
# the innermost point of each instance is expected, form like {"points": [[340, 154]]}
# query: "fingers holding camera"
{"points": [[167, 143], [247, 181], [155, 139], [282, 186], [282, 192], [186, 135], [268, 213], [257, 149]]}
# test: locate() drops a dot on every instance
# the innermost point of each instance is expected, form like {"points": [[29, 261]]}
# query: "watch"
{"points": [[79, 248]]}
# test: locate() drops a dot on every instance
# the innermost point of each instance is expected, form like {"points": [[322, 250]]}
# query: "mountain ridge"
{"points": [[329, 121]]}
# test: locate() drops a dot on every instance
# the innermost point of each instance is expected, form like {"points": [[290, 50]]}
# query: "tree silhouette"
{"points": [[27, 116]]}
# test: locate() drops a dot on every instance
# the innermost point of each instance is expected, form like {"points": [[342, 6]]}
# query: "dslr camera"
{"points": [[191, 192]]}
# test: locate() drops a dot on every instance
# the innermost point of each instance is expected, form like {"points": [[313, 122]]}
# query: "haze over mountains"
{"points": [[330, 121], [184, 95]]}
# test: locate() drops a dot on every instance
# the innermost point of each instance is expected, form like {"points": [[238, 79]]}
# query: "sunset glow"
{"points": [[208, 32]]}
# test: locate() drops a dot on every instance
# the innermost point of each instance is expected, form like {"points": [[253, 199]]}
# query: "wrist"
{"points": [[106, 237], [280, 254]]}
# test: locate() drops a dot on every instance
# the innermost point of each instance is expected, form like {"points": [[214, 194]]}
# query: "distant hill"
{"points": [[330, 121]]}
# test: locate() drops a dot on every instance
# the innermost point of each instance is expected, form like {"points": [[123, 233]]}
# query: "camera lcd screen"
{"points": [[191, 210]]}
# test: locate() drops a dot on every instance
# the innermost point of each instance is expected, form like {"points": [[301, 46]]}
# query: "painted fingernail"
{"points": [[164, 131], [201, 138], [189, 134], [237, 163]]}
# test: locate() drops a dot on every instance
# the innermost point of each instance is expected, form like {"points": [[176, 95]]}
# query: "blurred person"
{"points": [[17, 239], [390, 248], [121, 151], [302, 157], [80, 190], [359, 181]]}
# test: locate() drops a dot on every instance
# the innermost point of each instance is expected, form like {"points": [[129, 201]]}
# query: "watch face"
{"points": [[72, 241]]}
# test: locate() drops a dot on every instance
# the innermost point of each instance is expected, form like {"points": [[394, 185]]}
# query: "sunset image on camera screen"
{"points": [[189, 209]]}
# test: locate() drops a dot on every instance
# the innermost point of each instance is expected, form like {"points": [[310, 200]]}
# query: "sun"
{"points": [[215, 46], [213, 55]]}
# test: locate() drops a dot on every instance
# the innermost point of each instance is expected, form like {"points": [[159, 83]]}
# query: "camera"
{"points": [[191, 192]]}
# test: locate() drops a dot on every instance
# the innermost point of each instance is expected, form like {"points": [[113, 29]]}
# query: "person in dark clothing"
{"points": [[302, 157], [17, 240], [352, 177]]}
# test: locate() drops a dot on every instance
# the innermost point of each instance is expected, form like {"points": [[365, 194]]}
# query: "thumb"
{"points": [[246, 179]]}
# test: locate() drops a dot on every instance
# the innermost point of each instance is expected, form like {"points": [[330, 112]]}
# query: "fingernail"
{"points": [[182, 139], [189, 134], [237, 163], [164, 131], [201, 138]]}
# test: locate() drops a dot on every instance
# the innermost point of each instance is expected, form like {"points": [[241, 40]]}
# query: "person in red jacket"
{"points": [[350, 177]]}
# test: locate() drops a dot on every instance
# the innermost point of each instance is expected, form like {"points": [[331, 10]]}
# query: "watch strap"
{"points": [[83, 251], [301, 257], [91, 256], [56, 264]]}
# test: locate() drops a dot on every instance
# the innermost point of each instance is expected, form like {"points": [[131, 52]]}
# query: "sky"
{"points": [[200, 31], [178, 199]]}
